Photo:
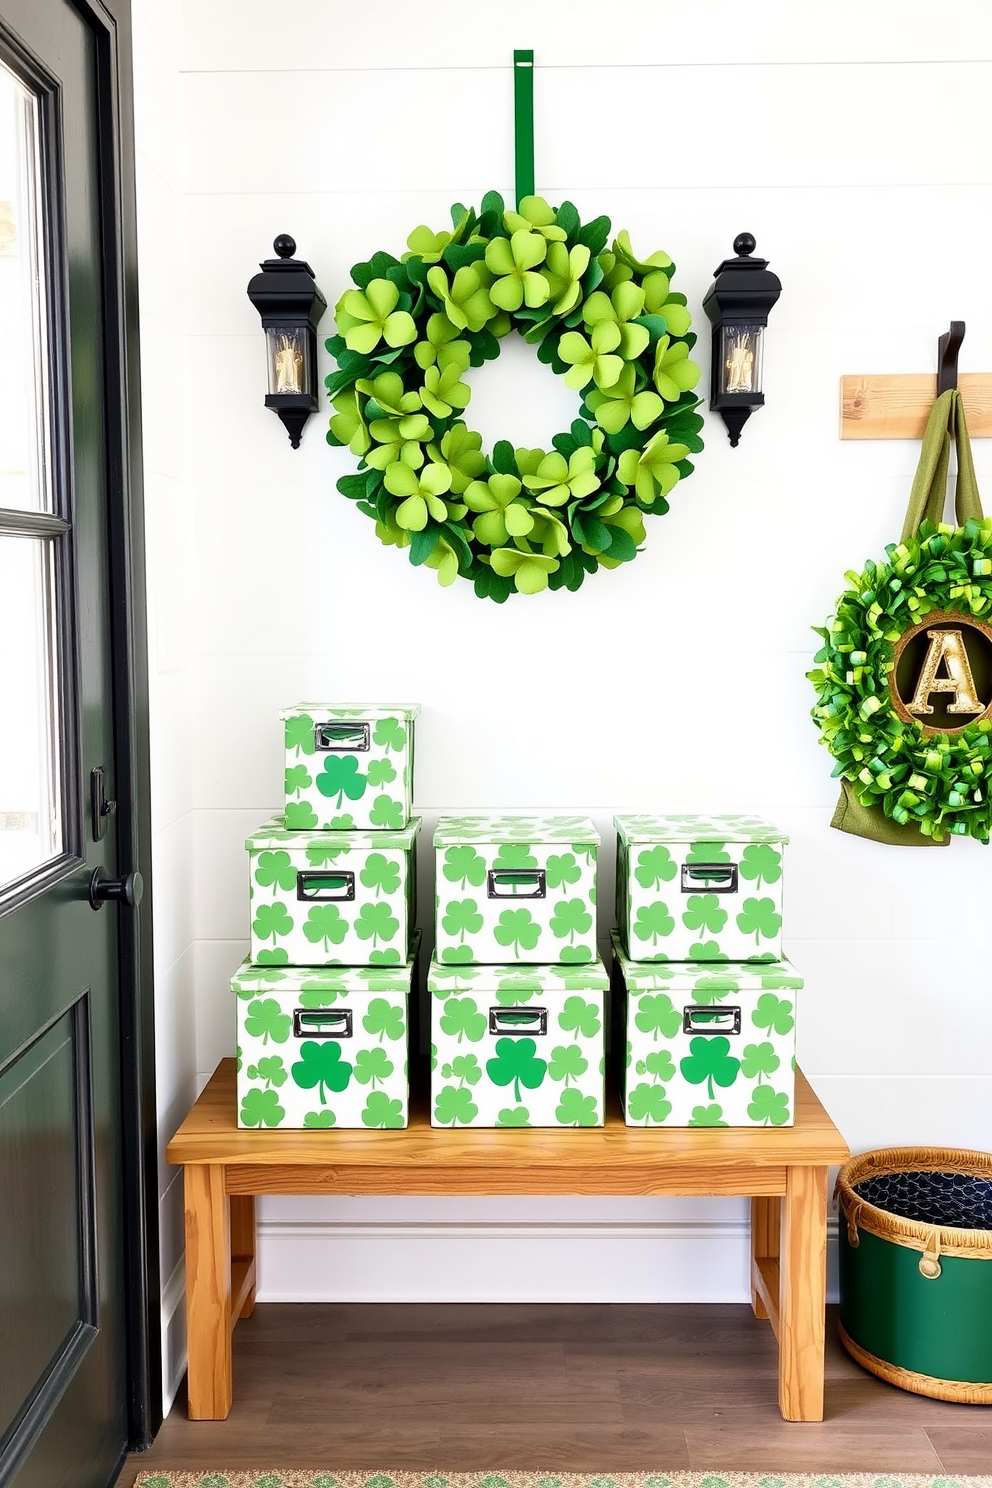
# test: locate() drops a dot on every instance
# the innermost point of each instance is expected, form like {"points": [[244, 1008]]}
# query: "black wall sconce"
{"points": [[286, 296], [738, 304]]}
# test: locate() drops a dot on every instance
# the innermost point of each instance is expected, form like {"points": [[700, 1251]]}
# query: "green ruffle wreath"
{"points": [[518, 519], [937, 782]]}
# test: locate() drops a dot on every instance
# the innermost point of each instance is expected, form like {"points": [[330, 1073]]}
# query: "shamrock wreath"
{"points": [[933, 781], [518, 519]]}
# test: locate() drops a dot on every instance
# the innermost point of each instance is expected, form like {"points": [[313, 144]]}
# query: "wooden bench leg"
{"points": [[243, 1278], [208, 1292], [802, 1301], [766, 1225]]}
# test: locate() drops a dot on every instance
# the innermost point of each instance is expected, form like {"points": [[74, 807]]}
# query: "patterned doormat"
{"points": [[316, 1478]]}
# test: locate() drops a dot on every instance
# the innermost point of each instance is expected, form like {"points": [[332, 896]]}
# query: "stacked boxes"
{"points": [[703, 999], [517, 989], [324, 996]]}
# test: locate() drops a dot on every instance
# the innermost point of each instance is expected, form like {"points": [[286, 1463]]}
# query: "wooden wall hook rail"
{"points": [[896, 405]]}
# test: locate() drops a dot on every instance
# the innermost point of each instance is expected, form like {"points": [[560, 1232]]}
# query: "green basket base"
{"points": [[962, 1392]]}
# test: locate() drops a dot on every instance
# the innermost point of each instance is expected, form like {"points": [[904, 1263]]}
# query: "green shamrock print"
{"points": [[758, 917], [317, 996], [454, 1104], [299, 734], [372, 1067], [580, 1018], [320, 1119], [385, 1019], [655, 1014], [462, 918], [647, 1103], [507, 995], [561, 868], [381, 874], [652, 922], [380, 1111], [381, 772], [325, 854], [375, 923], [712, 989], [277, 957], [760, 864], [567, 1063], [710, 1059], [271, 920], [341, 777], [516, 928], [704, 912], [513, 1116], [770, 1107], [659, 1065], [707, 852], [300, 816], [570, 918], [464, 866], [255, 979], [459, 955], [707, 1116], [325, 925], [271, 1070], [576, 1109], [655, 866], [390, 733], [461, 1019], [706, 950], [773, 1013], [266, 1020], [464, 1068], [297, 779], [758, 1060], [387, 814], [575, 954], [261, 1108], [517, 1063], [515, 855], [321, 1064]]}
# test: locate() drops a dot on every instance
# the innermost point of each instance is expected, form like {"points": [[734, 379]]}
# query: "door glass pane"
{"points": [[30, 798], [25, 467]]}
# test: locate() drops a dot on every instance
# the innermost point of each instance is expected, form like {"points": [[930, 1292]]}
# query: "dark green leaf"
{"points": [[568, 219], [352, 486], [622, 545], [502, 458], [457, 255], [595, 234], [422, 544]]}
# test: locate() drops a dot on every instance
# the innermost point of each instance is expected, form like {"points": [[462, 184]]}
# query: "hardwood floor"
{"points": [[573, 1388]]}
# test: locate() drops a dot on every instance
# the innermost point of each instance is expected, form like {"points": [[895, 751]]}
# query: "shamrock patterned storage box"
{"points": [[320, 1047], [699, 888], [705, 1046], [331, 898], [348, 766], [517, 1045], [515, 888]]}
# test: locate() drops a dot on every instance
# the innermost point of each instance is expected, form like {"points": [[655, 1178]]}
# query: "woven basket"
{"points": [[916, 1269]]}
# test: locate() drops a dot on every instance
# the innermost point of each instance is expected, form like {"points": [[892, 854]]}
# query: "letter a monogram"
{"points": [[948, 647]]}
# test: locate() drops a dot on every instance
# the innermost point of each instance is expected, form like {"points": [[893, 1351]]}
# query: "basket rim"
{"points": [[916, 1234]]}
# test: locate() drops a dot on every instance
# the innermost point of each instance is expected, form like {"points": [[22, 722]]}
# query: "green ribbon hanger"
{"points": [[523, 123]]}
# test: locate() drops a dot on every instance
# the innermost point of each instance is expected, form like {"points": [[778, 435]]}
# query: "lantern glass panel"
{"points": [[288, 354], [741, 359]]}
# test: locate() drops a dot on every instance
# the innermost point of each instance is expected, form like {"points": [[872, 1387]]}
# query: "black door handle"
{"points": [[127, 890]]}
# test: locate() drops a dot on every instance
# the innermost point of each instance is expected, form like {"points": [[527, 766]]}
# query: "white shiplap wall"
{"points": [[851, 139]]}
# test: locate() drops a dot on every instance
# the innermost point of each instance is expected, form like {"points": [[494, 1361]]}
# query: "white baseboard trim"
{"points": [[173, 1333]]}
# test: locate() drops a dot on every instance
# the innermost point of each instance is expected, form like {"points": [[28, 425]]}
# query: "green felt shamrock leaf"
{"points": [[619, 308], [652, 471], [275, 870], [464, 1068], [325, 925], [759, 917], [659, 1064], [463, 865], [647, 1103], [454, 1104], [385, 1019], [619, 401], [512, 262], [515, 855], [381, 874], [387, 814], [321, 1065], [517, 1063], [428, 245], [348, 425], [758, 1060], [760, 864], [674, 374], [271, 1070], [341, 777], [773, 1013], [380, 772], [438, 333], [421, 493], [465, 300], [594, 360], [261, 1108], [461, 918], [576, 1109], [376, 922], [655, 1013], [580, 1018], [380, 1111], [534, 213], [297, 779], [655, 866], [571, 918], [271, 921], [513, 1116], [770, 1107], [461, 1019], [372, 1066], [710, 1059], [652, 922], [443, 388], [559, 480], [501, 514], [567, 1063], [516, 928], [707, 1116], [561, 868], [366, 318], [563, 269], [461, 451], [319, 1119], [704, 912], [299, 734]]}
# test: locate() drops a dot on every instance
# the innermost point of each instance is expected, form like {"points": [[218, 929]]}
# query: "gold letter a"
{"points": [[946, 646]]}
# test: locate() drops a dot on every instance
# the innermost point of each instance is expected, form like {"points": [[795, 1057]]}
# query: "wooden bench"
{"points": [[782, 1169]]}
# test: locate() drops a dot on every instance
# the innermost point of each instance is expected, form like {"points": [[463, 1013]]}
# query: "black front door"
{"points": [[64, 1014]]}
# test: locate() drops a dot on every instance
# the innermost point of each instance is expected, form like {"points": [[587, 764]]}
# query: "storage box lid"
{"points": [[649, 828], [452, 831], [321, 712], [326, 846], [708, 981], [444, 979], [320, 985]]}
